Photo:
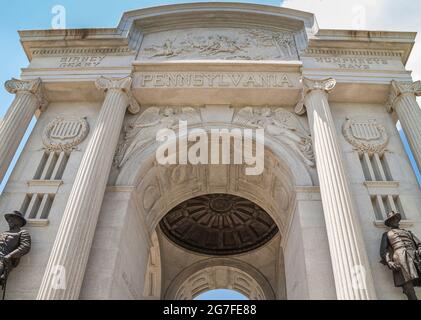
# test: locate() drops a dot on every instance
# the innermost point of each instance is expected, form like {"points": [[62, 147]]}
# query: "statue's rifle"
{"points": [[5, 276], [418, 258]]}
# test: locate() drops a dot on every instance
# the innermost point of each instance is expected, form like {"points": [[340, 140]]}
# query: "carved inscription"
{"points": [[213, 80], [80, 61], [353, 63]]}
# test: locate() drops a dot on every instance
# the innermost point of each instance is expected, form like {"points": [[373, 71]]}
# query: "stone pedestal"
{"points": [[16, 121], [403, 100], [350, 264], [74, 238]]}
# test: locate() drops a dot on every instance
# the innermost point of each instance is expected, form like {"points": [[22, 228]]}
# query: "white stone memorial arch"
{"points": [[98, 201]]}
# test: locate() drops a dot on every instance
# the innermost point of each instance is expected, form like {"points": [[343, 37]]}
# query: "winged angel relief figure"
{"points": [[142, 130], [281, 125]]}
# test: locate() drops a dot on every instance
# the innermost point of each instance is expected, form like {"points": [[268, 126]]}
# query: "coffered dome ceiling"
{"points": [[219, 224]]}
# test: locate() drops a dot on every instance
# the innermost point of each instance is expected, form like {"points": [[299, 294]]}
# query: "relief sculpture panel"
{"points": [[282, 125], [222, 43], [141, 130]]}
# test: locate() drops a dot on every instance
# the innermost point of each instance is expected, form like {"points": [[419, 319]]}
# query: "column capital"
{"points": [[399, 89], [15, 86], [309, 85], [121, 84]]}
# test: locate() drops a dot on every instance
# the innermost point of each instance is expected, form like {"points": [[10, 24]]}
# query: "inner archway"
{"points": [[214, 274], [249, 240], [218, 230], [221, 294]]}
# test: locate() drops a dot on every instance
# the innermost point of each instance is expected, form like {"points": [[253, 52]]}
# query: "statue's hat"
{"points": [[391, 216], [18, 215]]}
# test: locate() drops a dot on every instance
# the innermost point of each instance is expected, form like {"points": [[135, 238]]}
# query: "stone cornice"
{"points": [[80, 41], [127, 37], [365, 35], [223, 6], [134, 24], [378, 41]]}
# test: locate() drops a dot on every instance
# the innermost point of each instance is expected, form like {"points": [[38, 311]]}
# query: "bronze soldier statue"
{"points": [[401, 252], [14, 244]]}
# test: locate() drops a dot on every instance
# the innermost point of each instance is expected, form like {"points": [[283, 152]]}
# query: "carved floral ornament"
{"points": [[399, 89], [367, 136], [16, 86], [282, 125], [65, 134]]}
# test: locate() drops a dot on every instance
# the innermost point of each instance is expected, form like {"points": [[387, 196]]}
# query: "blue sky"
{"points": [[31, 14], [27, 14]]}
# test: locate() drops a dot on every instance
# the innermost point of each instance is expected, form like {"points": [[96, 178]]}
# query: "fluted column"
{"points": [[16, 121], [347, 248], [73, 242], [403, 100]]}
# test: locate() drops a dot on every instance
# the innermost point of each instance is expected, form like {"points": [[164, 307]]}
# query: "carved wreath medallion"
{"points": [[65, 134], [366, 135]]}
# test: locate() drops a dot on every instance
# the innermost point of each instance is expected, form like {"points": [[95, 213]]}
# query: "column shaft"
{"points": [[403, 100], [17, 119], [347, 248], [409, 114], [74, 239]]}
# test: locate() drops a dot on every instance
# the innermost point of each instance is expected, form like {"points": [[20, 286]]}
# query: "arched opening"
{"points": [[251, 251], [256, 266]]}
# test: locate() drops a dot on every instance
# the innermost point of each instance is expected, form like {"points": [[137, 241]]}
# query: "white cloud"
{"points": [[390, 15]]}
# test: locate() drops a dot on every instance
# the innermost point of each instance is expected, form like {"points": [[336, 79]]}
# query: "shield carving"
{"points": [[366, 135], [65, 134], [65, 130], [365, 130]]}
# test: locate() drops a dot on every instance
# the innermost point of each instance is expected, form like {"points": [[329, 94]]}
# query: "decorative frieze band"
{"points": [[81, 51], [345, 52]]}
